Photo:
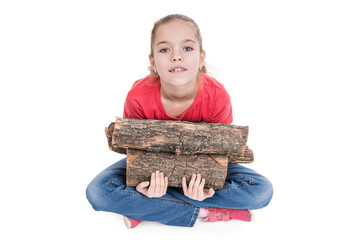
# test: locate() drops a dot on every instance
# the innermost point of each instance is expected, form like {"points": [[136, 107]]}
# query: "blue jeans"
{"points": [[243, 189]]}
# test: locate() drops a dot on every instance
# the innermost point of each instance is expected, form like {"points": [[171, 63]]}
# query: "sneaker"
{"points": [[131, 223], [226, 214]]}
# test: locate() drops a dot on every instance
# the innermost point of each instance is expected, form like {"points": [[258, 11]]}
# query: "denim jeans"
{"points": [[243, 189]]}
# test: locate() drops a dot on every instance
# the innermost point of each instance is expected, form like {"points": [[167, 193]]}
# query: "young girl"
{"points": [[178, 89]]}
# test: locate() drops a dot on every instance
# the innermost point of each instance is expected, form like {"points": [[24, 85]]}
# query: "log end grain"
{"points": [[109, 135]]}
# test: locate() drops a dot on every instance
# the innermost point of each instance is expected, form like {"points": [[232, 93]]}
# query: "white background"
{"points": [[290, 67]]}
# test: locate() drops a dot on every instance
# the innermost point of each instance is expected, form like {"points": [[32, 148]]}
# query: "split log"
{"points": [[140, 165], [179, 137], [246, 157]]}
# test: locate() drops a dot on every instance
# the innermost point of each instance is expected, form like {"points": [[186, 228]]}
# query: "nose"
{"points": [[176, 57]]}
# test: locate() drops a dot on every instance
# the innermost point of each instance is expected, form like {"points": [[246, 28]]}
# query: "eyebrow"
{"points": [[184, 41]]}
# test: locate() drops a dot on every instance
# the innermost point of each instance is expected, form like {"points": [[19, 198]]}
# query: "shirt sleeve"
{"points": [[222, 111]]}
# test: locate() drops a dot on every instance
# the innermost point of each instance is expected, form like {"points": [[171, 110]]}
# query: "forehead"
{"points": [[175, 31]]}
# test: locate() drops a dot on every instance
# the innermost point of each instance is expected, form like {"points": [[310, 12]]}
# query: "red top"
{"points": [[212, 102]]}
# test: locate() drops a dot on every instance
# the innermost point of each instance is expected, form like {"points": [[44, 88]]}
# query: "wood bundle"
{"points": [[178, 149]]}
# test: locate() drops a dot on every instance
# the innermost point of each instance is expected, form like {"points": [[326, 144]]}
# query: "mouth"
{"points": [[177, 69]]}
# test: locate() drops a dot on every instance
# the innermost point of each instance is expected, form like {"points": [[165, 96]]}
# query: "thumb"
{"points": [[210, 192], [140, 187]]}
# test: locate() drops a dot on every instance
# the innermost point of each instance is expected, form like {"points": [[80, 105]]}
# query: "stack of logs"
{"points": [[178, 149]]}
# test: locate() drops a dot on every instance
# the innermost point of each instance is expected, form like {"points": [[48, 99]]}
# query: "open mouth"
{"points": [[177, 69]]}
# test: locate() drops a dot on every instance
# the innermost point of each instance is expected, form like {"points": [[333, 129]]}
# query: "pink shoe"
{"points": [[131, 223], [226, 214]]}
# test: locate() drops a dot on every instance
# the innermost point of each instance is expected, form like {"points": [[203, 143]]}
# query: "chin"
{"points": [[178, 81]]}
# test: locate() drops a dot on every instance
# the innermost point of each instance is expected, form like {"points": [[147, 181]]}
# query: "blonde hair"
{"points": [[174, 17]]}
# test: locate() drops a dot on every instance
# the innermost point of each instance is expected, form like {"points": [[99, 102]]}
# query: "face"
{"points": [[176, 51]]}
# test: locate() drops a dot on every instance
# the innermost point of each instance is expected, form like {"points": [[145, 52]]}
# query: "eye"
{"points": [[164, 50], [188, 49]]}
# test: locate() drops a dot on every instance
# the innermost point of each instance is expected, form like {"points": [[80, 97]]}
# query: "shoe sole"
{"points": [[127, 222], [252, 215]]}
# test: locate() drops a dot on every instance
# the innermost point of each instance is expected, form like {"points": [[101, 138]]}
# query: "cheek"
{"points": [[195, 62], [161, 66], [159, 62]]}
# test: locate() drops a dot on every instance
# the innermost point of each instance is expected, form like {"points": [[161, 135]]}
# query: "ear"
{"points": [[152, 61], [202, 58]]}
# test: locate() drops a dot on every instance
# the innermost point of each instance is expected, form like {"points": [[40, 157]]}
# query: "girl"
{"points": [[178, 89]]}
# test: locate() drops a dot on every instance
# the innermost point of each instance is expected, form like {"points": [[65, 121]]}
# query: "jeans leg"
{"points": [[243, 189], [108, 192]]}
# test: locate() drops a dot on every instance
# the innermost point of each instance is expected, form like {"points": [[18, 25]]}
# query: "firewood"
{"points": [[246, 156], [140, 165], [178, 149], [179, 137]]}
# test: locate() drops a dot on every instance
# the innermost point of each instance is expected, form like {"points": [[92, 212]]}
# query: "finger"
{"points": [[157, 182], [201, 192], [162, 183], [152, 183], [195, 191], [197, 182], [166, 184], [191, 183], [184, 186], [201, 186]]}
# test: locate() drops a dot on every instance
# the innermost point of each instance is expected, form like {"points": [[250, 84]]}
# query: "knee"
{"points": [[98, 192], [264, 194], [102, 190], [93, 195]]}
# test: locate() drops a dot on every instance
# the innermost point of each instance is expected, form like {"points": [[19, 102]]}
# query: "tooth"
{"points": [[177, 69]]}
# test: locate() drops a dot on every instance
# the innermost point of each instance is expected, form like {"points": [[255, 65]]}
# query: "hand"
{"points": [[196, 189], [157, 188]]}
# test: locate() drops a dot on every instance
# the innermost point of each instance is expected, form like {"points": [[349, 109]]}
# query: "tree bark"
{"points": [[140, 165], [179, 137], [246, 156]]}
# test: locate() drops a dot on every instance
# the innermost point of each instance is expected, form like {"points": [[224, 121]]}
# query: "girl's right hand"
{"points": [[157, 188], [196, 190]]}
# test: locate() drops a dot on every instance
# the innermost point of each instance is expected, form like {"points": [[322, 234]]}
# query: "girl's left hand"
{"points": [[196, 189]]}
